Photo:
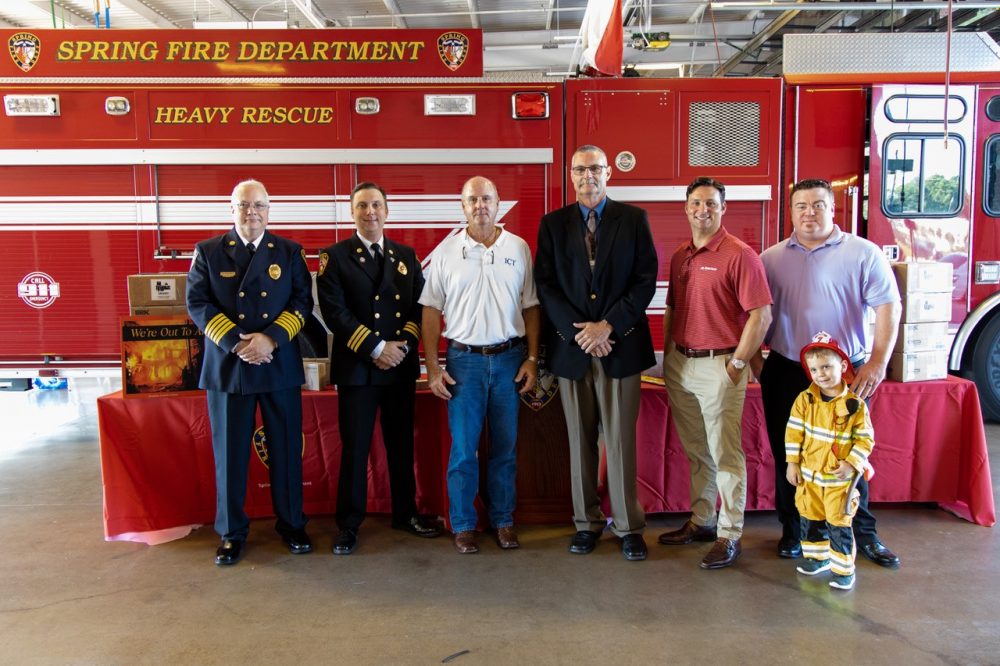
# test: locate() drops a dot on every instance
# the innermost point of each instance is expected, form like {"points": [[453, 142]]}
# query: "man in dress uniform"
{"points": [[250, 292], [368, 288]]}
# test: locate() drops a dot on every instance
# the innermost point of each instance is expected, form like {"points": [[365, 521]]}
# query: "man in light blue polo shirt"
{"points": [[823, 279]]}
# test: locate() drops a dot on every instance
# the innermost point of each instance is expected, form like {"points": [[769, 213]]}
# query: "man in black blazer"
{"points": [[250, 292], [596, 273], [368, 288]]}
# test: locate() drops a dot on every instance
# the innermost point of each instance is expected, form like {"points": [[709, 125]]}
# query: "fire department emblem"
{"points": [[324, 258], [274, 270], [260, 446], [546, 387], [453, 47], [24, 49], [38, 290]]}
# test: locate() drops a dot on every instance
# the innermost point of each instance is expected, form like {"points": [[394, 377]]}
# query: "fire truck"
{"points": [[120, 150]]}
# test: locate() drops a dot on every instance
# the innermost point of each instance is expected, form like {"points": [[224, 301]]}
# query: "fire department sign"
{"points": [[38, 290], [24, 48], [453, 47]]}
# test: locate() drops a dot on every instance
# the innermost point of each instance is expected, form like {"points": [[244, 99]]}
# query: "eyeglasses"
{"points": [[818, 206], [258, 206], [594, 169]]}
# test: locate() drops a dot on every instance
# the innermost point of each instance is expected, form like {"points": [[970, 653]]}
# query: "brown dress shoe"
{"points": [[723, 554], [685, 535], [465, 542], [507, 538]]}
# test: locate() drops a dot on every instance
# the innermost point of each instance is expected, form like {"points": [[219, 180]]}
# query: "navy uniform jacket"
{"points": [[225, 297], [618, 290], [362, 309]]}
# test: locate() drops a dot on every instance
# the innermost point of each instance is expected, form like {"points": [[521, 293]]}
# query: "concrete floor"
{"points": [[68, 596]]}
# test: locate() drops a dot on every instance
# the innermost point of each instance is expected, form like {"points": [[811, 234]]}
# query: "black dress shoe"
{"points": [[633, 547], [790, 548], [584, 542], [723, 554], [420, 527], [346, 542], [229, 552], [298, 541], [688, 533], [880, 555]]}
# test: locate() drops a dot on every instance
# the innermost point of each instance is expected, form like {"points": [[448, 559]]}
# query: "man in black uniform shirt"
{"points": [[250, 292], [368, 288]]}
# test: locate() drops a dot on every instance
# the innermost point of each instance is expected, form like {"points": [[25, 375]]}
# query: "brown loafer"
{"points": [[507, 538], [465, 542], [723, 554], [685, 535]]}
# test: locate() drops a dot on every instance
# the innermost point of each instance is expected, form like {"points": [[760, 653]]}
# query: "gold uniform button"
{"points": [[377, 334], [264, 315], [397, 297], [242, 316], [376, 297], [593, 297], [378, 316], [397, 315], [397, 332], [242, 294], [263, 294]]}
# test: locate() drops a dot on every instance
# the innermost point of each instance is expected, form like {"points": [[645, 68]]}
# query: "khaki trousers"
{"points": [[707, 409], [613, 405]]}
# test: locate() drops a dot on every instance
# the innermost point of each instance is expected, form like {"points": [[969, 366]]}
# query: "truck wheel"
{"points": [[986, 369]]}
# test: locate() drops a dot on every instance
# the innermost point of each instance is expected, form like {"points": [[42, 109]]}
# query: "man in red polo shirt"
{"points": [[718, 309]]}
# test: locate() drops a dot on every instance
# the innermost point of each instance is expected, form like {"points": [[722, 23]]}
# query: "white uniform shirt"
{"points": [[481, 290]]}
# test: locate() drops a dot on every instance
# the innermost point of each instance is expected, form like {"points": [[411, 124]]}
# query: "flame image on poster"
{"points": [[160, 355]]}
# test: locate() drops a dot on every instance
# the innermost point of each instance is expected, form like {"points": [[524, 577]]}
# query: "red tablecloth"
{"points": [[930, 446], [156, 458]]}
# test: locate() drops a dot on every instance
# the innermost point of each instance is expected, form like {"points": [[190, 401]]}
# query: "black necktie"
{"points": [[251, 249], [379, 259]]}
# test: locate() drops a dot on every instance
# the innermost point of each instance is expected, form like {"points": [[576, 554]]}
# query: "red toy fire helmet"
{"points": [[824, 340]]}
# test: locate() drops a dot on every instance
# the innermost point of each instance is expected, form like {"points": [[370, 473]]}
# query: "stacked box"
{"points": [[157, 294], [317, 372], [921, 351]]}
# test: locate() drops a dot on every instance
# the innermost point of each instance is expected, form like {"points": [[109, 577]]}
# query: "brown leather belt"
{"points": [[488, 350], [702, 353]]}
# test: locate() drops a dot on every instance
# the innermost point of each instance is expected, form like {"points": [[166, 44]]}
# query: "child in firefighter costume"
{"points": [[827, 443]]}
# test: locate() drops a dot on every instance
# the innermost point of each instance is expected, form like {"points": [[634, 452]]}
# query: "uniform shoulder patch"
{"points": [[324, 259]]}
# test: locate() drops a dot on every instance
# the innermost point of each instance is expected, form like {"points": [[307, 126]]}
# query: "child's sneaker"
{"points": [[842, 582], [813, 567]]}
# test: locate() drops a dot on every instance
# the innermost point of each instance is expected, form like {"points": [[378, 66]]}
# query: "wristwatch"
{"points": [[737, 363]]}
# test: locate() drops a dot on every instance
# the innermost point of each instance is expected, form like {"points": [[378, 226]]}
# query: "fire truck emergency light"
{"points": [[116, 106], [366, 106], [449, 105], [31, 105], [530, 105]]}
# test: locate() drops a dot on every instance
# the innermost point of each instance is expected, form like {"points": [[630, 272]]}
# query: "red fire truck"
{"points": [[118, 155]]}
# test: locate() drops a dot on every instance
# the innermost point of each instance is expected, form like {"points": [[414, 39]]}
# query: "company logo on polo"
{"points": [[38, 290], [24, 48], [453, 47]]}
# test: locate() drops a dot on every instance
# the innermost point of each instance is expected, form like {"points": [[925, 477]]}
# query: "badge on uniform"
{"points": [[401, 267], [274, 270]]}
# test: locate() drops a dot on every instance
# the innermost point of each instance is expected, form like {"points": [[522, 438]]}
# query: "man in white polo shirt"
{"points": [[481, 281]]}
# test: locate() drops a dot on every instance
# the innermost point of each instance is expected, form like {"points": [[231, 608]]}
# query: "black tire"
{"points": [[986, 369]]}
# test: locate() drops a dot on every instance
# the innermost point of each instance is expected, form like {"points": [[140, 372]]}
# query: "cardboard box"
{"points": [[923, 276], [920, 306], [157, 289], [159, 310], [918, 366], [317, 373], [930, 336]]}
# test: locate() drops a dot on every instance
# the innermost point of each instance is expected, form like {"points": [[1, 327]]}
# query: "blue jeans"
{"points": [[484, 390]]}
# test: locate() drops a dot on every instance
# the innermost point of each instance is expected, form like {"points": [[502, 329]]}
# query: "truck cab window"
{"points": [[922, 175], [991, 181]]}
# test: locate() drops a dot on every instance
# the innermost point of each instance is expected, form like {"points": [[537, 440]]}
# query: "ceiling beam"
{"points": [[311, 12], [772, 28], [226, 7], [474, 13], [141, 10], [39, 11], [395, 12]]}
